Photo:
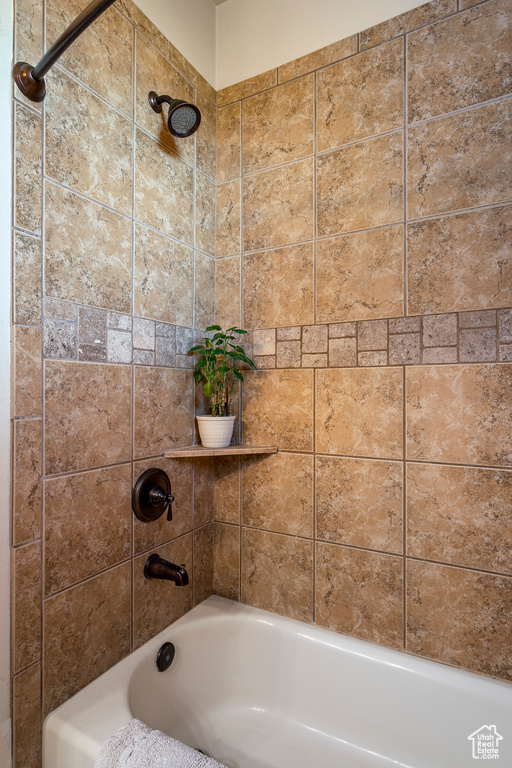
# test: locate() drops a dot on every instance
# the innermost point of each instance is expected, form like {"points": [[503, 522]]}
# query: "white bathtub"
{"points": [[255, 690]]}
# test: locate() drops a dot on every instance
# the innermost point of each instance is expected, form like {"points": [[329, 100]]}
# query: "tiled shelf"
{"points": [[197, 451]]}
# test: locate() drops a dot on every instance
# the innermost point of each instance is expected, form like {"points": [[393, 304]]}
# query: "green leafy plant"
{"points": [[218, 365]]}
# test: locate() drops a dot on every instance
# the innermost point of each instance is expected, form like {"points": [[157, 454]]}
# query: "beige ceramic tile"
{"points": [[102, 56], [164, 189], [28, 34], [87, 415], [153, 607], [228, 218], [461, 61], [360, 276], [360, 97], [226, 561], [206, 138], [359, 593], [247, 87], [77, 122], [203, 491], [26, 523], [27, 605], [204, 277], [164, 410], [154, 73], [450, 165], [360, 186], [278, 409], [163, 271], [460, 414], [89, 262], [475, 632], [405, 22], [27, 718], [98, 540], [227, 292], [86, 631], [278, 206], [147, 536], [460, 515], [277, 493], [27, 371], [141, 21], [27, 279], [226, 494], [279, 287], [203, 563], [359, 412], [27, 169], [228, 141], [205, 214], [321, 58], [445, 268], [278, 125], [359, 502], [290, 561]]}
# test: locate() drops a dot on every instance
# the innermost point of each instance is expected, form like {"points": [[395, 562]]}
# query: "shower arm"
{"points": [[30, 80]]}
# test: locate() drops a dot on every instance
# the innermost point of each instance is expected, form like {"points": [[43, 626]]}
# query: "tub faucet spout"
{"points": [[158, 568]]}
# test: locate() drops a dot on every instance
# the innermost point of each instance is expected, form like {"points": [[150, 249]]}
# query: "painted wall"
{"points": [[253, 37]]}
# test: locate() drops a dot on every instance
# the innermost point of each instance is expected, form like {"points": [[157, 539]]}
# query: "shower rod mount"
{"points": [[30, 80]]}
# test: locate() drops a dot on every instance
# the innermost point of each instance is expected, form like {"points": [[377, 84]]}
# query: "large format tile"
{"points": [[27, 371], [289, 560], [87, 415], [27, 605], [164, 189], [203, 563], [206, 138], [90, 261], [27, 169], [451, 166], [154, 73], [27, 718], [277, 493], [460, 515], [227, 292], [278, 125], [278, 287], [406, 22], [360, 186], [163, 271], [203, 491], [278, 409], [102, 56], [86, 631], [446, 270], [226, 491], [98, 531], [247, 87], [141, 21], [359, 502], [461, 61], [321, 58], [157, 603], [26, 524], [359, 593], [460, 414], [76, 124], [475, 632], [163, 410], [360, 276], [27, 279], [205, 205], [278, 206], [360, 97], [204, 290], [226, 561], [228, 142], [359, 412], [228, 229]]}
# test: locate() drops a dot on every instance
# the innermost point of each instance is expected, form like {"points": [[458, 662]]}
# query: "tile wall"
{"points": [[114, 246], [364, 223]]}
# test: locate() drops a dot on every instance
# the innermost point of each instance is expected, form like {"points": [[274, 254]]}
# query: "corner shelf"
{"points": [[197, 451]]}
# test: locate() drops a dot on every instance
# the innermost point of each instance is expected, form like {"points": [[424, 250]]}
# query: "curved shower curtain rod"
{"points": [[30, 80]]}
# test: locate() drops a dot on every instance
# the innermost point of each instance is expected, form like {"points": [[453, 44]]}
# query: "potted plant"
{"points": [[218, 365]]}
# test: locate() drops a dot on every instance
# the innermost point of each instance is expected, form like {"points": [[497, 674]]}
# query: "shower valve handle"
{"points": [[157, 496]]}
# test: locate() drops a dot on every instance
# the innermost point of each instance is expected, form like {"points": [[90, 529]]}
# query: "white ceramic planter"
{"points": [[215, 431]]}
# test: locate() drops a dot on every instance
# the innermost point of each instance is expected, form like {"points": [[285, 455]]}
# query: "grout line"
{"points": [[404, 506]]}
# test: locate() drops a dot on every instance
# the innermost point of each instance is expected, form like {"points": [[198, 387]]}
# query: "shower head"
{"points": [[183, 118]]}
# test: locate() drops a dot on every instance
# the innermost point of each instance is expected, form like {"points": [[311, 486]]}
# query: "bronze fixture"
{"points": [[30, 80], [158, 568], [183, 118], [152, 495]]}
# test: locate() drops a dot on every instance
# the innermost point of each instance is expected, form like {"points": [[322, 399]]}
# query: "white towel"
{"points": [[135, 745]]}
